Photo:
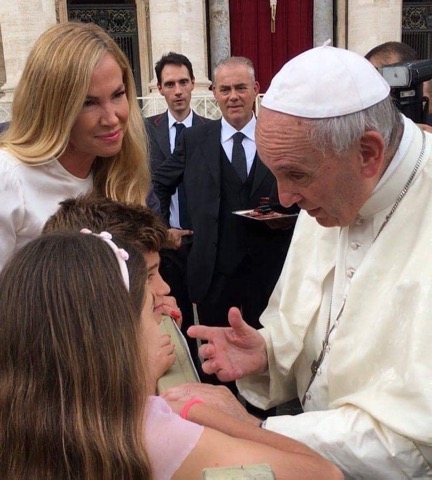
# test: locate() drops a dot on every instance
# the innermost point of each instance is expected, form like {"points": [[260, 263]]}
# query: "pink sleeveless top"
{"points": [[169, 439]]}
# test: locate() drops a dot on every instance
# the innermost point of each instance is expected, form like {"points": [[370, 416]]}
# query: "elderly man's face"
{"points": [[331, 189]]}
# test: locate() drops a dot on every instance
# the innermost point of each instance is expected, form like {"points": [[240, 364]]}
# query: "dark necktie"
{"points": [[179, 127], [238, 159], [181, 192]]}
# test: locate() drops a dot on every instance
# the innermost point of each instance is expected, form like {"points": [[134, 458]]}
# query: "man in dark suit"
{"points": [[233, 261], [176, 81]]}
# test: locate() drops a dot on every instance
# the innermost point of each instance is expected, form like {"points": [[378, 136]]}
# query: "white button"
{"points": [[308, 396], [359, 221], [350, 273], [327, 349], [319, 371], [355, 245], [336, 324]]}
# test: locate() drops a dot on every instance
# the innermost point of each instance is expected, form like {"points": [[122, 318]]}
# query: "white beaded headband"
{"points": [[120, 253]]}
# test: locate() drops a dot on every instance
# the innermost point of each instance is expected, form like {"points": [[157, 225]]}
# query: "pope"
{"points": [[348, 326]]}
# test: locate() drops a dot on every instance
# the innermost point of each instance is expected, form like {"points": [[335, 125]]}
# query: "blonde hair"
{"points": [[50, 95]]}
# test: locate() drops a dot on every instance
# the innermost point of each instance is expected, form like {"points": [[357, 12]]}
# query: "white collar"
{"points": [[228, 130], [398, 172], [187, 122]]}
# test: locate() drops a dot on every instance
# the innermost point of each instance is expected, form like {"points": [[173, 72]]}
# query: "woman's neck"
{"points": [[77, 165]]}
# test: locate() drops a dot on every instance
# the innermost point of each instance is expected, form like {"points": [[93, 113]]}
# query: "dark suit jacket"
{"points": [[157, 131], [4, 126], [196, 161]]}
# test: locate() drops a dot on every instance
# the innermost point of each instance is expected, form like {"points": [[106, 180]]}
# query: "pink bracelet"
{"points": [[185, 410]]}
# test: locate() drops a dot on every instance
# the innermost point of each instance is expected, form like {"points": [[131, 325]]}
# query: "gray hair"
{"points": [[338, 134], [232, 61]]}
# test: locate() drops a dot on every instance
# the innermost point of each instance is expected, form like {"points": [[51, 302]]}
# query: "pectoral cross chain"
{"points": [[317, 363]]}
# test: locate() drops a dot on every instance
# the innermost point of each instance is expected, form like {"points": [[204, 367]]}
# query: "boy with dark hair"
{"points": [[142, 228], [133, 223]]}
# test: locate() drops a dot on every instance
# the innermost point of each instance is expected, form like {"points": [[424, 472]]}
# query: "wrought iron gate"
{"points": [[120, 22], [417, 27]]}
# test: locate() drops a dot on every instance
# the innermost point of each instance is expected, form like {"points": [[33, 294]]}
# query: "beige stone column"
{"points": [[142, 8], [220, 42], [22, 22], [322, 22], [364, 24], [180, 26]]}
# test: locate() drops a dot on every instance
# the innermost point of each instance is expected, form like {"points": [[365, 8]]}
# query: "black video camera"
{"points": [[406, 83]]}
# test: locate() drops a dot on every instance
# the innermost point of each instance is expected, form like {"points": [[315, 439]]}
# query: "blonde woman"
{"points": [[76, 126]]}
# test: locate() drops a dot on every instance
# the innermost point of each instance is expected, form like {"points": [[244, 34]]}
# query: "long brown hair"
{"points": [[50, 95], [71, 382]]}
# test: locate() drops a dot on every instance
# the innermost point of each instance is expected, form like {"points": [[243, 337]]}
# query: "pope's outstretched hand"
{"points": [[231, 352]]}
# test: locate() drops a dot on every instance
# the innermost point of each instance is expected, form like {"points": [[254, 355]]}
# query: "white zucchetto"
{"points": [[325, 82]]}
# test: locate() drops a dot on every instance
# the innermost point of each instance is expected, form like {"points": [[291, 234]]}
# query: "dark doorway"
{"points": [[119, 20], [417, 27]]}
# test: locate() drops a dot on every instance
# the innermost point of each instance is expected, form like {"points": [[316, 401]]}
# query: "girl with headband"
{"points": [[76, 349]]}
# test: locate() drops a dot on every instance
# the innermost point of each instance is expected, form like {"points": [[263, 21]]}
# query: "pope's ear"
{"points": [[372, 152]]}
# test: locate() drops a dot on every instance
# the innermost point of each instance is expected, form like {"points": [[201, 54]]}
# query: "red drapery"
{"points": [[251, 36]]}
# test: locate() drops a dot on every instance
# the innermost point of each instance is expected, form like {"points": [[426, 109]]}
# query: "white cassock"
{"points": [[369, 408]]}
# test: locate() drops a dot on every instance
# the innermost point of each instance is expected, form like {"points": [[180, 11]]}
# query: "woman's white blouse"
{"points": [[29, 195]]}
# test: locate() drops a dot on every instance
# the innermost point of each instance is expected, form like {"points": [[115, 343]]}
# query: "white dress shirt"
{"points": [[248, 142]]}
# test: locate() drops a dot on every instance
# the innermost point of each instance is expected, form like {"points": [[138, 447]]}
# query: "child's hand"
{"points": [[160, 352], [165, 356], [171, 309]]}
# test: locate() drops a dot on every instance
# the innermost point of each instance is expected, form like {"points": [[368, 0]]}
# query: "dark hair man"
{"points": [[176, 82], [391, 52]]}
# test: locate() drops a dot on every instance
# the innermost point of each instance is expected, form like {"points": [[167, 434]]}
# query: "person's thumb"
{"points": [[235, 319]]}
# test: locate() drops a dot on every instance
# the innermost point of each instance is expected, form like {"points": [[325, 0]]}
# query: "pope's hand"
{"points": [[231, 352]]}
